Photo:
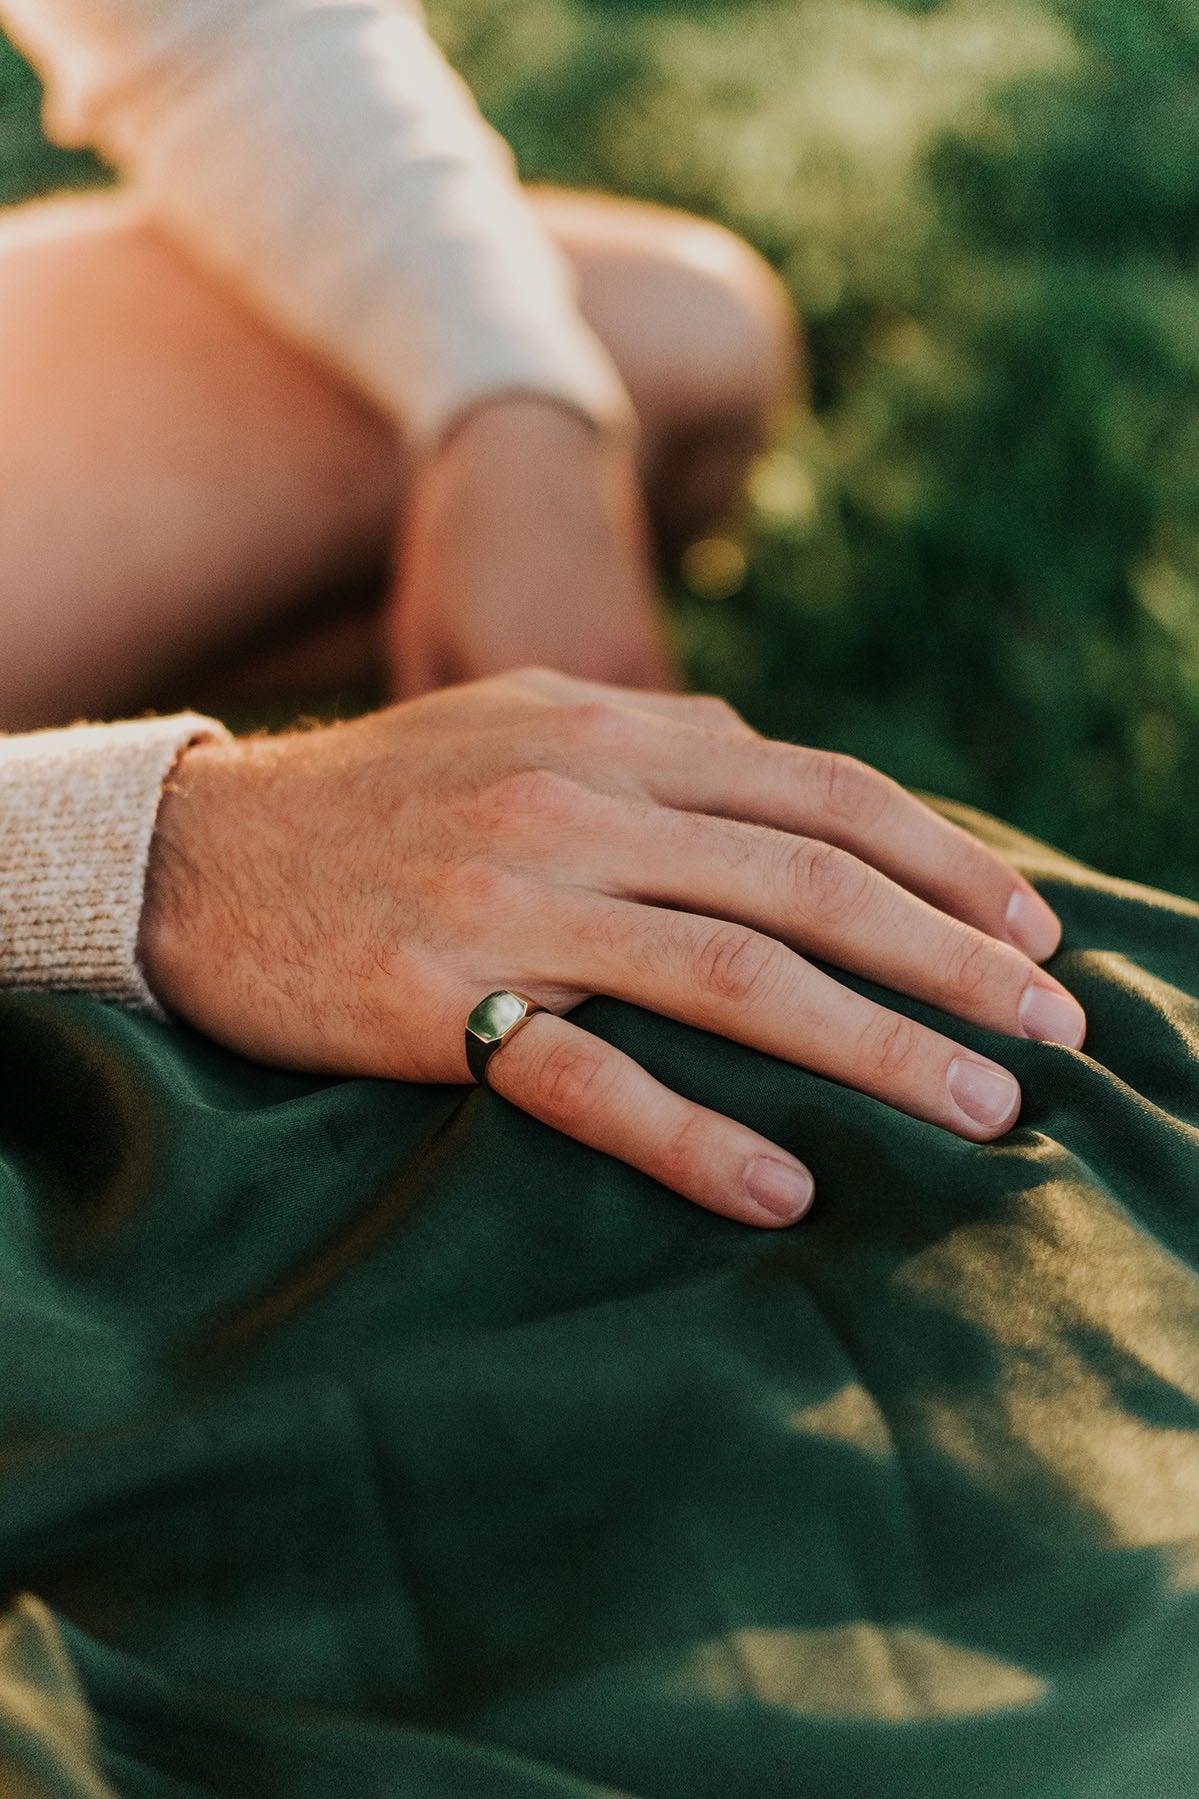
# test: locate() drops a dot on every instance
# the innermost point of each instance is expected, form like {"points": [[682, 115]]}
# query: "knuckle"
{"points": [[604, 930], [710, 710], [971, 970], [597, 724], [476, 889], [835, 884], [733, 964], [972, 867], [571, 1080], [537, 796], [849, 791], [686, 1153], [890, 1047]]}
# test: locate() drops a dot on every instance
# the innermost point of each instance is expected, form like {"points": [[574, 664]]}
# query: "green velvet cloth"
{"points": [[370, 1439]]}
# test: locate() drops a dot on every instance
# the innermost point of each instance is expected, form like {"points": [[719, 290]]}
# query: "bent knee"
{"points": [[740, 349], [696, 320]]}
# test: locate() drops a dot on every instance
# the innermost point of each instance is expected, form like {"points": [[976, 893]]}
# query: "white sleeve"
{"points": [[77, 812], [322, 155]]}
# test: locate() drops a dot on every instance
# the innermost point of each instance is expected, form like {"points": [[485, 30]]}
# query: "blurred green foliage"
{"points": [[28, 165], [976, 562]]}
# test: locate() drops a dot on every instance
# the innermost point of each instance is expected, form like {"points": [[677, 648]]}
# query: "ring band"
{"points": [[491, 1024]]}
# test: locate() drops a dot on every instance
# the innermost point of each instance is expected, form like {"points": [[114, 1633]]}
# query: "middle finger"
{"points": [[743, 985], [823, 900]]}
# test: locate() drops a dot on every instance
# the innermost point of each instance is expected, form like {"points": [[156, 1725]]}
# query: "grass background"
{"points": [[977, 563]]}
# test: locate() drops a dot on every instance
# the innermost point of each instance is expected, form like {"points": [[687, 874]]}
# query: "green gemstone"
{"points": [[495, 1015]]}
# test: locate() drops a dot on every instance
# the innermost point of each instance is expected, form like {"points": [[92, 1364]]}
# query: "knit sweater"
{"points": [[322, 157], [77, 811]]}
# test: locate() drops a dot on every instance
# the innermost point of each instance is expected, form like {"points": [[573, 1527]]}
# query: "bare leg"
{"points": [[174, 478], [171, 473], [704, 337]]}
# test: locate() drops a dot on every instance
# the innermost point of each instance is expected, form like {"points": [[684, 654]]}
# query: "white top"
{"points": [[322, 155], [323, 158]]}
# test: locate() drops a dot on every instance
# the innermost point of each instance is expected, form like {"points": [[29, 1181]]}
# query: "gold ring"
{"points": [[493, 1021]]}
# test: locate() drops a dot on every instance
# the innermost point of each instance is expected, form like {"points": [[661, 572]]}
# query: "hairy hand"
{"points": [[340, 899], [524, 541]]}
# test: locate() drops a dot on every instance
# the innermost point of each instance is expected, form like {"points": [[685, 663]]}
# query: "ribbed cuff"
{"points": [[77, 812]]}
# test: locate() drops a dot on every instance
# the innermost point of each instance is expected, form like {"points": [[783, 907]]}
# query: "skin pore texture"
{"points": [[339, 899]]}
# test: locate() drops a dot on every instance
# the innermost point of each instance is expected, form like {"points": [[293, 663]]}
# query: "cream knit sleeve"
{"points": [[323, 157], [77, 811]]}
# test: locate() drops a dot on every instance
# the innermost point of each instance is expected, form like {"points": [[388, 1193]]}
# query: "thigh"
{"points": [[177, 478], [173, 471]]}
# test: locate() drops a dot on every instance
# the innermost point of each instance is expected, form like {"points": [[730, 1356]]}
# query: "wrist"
{"points": [[531, 417], [522, 474], [189, 857]]}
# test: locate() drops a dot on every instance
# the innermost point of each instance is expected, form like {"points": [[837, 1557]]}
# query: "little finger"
{"points": [[594, 1093]]}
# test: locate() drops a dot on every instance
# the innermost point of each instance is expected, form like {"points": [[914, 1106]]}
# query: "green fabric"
{"points": [[371, 1439]]}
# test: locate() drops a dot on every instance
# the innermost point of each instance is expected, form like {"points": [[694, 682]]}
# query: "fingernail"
{"points": [[988, 1095], [1033, 926], [784, 1189], [1052, 1016]]}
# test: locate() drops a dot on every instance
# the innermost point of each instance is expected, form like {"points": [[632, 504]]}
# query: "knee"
{"points": [[734, 353], [729, 360]]}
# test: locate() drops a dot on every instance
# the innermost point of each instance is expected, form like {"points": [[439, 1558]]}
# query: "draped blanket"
{"points": [[369, 1439]]}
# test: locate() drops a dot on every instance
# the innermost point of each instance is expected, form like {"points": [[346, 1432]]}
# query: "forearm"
{"points": [[325, 157], [525, 541]]}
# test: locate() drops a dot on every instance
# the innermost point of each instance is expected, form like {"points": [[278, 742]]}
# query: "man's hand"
{"points": [[341, 899], [525, 541]]}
